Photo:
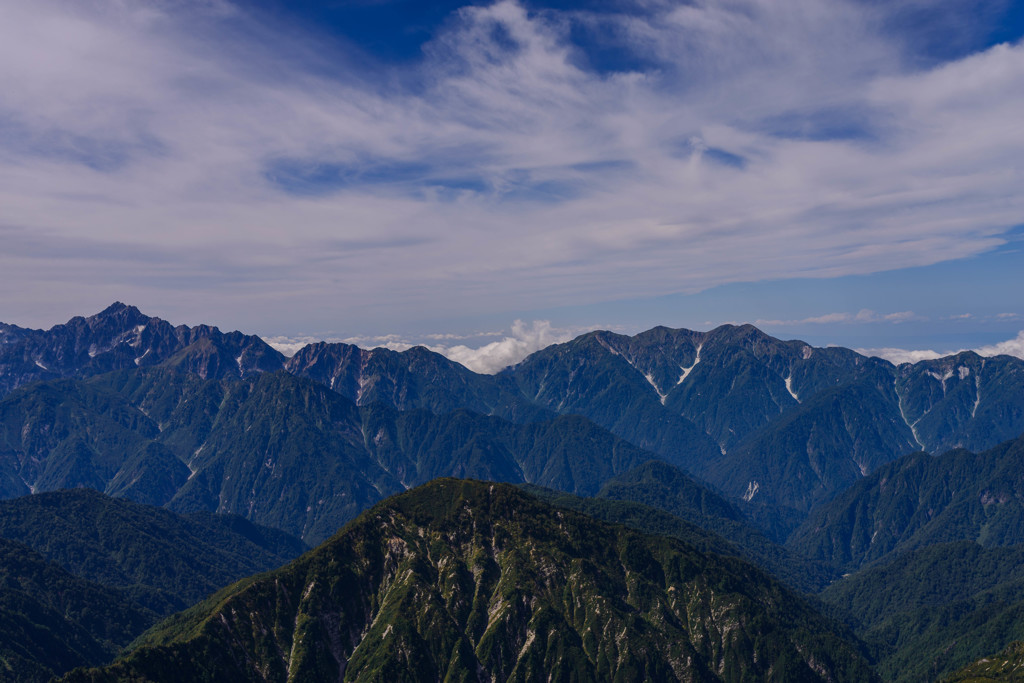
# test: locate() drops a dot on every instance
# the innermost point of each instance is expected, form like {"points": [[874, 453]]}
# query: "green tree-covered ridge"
{"points": [[160, 560], [458, 579], [52, 621], [920, 500], [932, 610]]}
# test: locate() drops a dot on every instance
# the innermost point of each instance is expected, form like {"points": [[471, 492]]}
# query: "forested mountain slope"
{"points": [[929, 611], [919, 500], [160, 560], [276, 449], [457, 580], [52, 621]]}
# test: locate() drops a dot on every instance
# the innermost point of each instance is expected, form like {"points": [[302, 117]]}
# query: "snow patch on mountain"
{"points": [[903, 414], [650, 380], [687, 371], [789, 388]]}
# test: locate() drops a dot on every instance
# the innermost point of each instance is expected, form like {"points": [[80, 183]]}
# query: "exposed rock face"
{"points": [[1008, 665]]}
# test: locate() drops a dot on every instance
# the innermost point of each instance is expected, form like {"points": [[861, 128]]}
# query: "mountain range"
{"points": [[777, 423], [166, 462]]}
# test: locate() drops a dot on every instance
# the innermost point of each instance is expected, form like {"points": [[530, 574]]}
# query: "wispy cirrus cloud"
{"points": [[503, 171], [864, 315]]}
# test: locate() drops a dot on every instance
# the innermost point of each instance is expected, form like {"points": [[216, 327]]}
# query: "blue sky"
{"points": [[401, 172]]}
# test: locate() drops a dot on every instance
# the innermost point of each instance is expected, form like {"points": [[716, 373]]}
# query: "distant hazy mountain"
{"points": [[462, 581], [774, 421], [413, 379]]}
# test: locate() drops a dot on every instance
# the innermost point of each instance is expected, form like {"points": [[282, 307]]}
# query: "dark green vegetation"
{"points": [[52, 621], [154, 557], [934, 609], [659, 485], [939, 545], [457, 580], [82, 574], [794, 571], [1008, 665], [920, 500], [276, 449]]}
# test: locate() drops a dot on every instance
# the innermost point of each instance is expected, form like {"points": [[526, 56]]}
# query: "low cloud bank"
{"points": [[1010, 347], [491, 358], [522, 340], [901, 356]]}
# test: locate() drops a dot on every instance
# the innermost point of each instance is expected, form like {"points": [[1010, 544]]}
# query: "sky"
{"points": [[489, 178]]}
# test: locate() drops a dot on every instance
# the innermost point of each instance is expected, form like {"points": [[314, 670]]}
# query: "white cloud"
{"points": [[864, 315], [521, 341], [826, 319], [899, 356], [1010, 347], [147, 151]]}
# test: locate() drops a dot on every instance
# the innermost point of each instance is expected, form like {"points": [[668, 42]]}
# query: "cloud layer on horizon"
{"points": [[522, 340], [189, 152], [1009, 347]]}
